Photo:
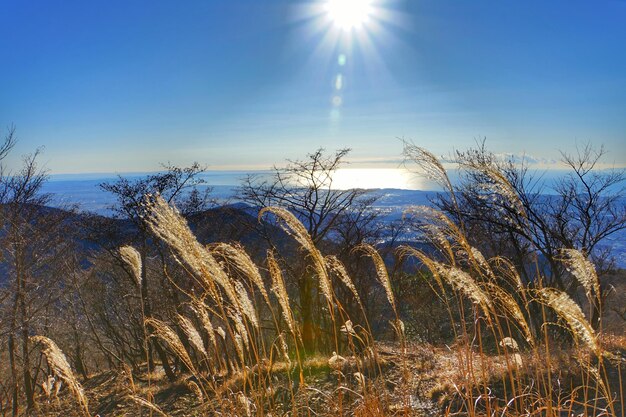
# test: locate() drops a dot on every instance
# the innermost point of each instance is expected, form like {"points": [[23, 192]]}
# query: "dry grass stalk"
{"points": [[429, 164], [192, 334], [167, 224], [132, 258], [340, 270], [583, 270], [245, 305], [147, 404], [465, 284], [570, 312], [295, 228], [381, 271], [58, 363], [198, 307], [278, 288], [242, 261], [165, 333], [195, 388]]}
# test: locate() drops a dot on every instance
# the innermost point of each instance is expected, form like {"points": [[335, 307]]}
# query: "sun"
{"points": [[349, 14]]}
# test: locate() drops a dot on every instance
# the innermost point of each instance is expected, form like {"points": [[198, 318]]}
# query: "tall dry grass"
{"points": [[240, 344]]}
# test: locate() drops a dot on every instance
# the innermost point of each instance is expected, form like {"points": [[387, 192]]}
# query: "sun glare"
{"points": [[347, 34], [349, 14], [347, 178]]}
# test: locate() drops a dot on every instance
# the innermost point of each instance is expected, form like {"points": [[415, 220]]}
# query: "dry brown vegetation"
{"points": [[232, 343]]}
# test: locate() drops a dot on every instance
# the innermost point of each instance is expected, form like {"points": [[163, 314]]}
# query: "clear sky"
{"points": [[111, 85]]}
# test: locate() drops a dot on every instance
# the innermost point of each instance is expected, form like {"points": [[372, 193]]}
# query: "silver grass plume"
{"points": [[192, 334], [509, 304], [338, 267], [430, 166], [167, 224], [147, 404], [245, 304], [239, 347], [439, 227], [295, 228], [284, 348], [58, 363], [406, 251], [499, 185], [507, 270], [169, 336], [240, 327], [242, 261], [570, 312], [278, 287], [465, 284], [195, 388], [479, 260], [434, 234], [583, 270], [381, 271], [245, 403], [201, 312], [132, 258]]}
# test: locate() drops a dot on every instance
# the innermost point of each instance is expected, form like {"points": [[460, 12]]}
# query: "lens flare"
{"points": [[349, 14]]}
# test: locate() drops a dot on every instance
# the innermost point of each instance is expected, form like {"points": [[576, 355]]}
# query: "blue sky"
{"points": [[124, 85]]}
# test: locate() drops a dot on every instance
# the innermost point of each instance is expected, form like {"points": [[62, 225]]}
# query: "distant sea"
{"points": [[83, 191]]}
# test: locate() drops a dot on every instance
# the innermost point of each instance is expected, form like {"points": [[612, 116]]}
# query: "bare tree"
{"points": [[183, 187], [34, 242], [580, 210], [306, 188]]}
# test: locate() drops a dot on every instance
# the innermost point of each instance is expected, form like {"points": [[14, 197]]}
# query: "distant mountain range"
{"points": [[84, 193]]}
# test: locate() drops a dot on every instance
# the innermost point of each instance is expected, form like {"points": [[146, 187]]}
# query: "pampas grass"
{"points": [[147, 404], [429, 165], [58, 363], [381, 272], [192, 334], [237, 255], [241, 366], [279, 289], [199, 309], [169, 336], [466, 285], [570, 312], [168, 225], [293, 226], [132, 258], [583, 270], [337, 266], [245, 305]]}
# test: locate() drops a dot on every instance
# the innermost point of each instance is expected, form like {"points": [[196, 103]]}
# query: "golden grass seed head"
{"points": [[132, 258]]}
